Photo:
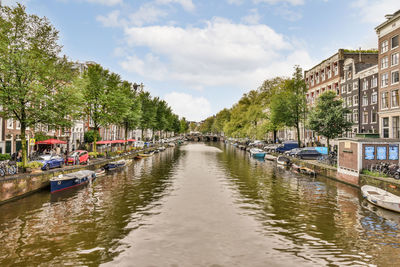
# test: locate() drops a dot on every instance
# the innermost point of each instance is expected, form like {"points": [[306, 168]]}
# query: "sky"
{"points": [[202, 56]]}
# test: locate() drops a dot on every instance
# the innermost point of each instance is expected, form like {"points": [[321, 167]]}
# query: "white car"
{"points": [[139, 144]]}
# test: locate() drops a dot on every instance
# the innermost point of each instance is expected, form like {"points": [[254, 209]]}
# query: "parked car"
{"points": [[78, 157], [293, 152], [308, 153], [51, 161], [271, 147], [286, 146]]}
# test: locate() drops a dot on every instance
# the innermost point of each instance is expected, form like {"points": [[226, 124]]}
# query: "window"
{"points": [[374, 116], [395, 59], [395, 77], [365, 117], [384, 100], [374, 98], [385, 80], [385, 128], [374, 82], [355, 115], [10, 124], [395, 41], [17, 125], [365, 100], [365, 84], [349, 102], [343, 89], [329, 74], [355, 85], [395, 98], [336, 69], [384, 46], [395, 127], [349, 88], [355, 100], [384, 62]]}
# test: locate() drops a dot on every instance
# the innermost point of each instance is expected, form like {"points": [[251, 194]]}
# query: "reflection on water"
{"points": [[200, 205]]}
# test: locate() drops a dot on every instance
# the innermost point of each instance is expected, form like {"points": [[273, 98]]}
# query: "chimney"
{"points": [[359, 55]]}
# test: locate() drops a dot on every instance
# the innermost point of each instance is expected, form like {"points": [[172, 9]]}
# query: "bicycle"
{"points": [[8, 167]]}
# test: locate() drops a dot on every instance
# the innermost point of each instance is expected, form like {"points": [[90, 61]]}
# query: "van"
{"points": [[139, 144], [286, 146]]}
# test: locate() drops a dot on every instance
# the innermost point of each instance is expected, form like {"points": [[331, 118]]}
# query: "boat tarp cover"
{"points": [[79, 174]]}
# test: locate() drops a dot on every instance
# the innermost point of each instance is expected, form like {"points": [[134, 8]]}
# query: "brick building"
{"points": [[358, 89], [389, 107], [327, 76]]}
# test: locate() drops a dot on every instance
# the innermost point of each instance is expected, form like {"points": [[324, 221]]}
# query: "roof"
{"points": [[389, 19]]}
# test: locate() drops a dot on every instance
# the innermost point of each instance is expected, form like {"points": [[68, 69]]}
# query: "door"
{"points": [[8, 147]]}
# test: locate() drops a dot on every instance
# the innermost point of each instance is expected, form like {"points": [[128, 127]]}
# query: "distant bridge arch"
{"points": [[204, 137]]}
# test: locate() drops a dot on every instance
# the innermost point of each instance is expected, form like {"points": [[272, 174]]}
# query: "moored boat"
{"points": [[381, 198], [270, 157], [257, 153], [70, 180], [281, 160], [100, 172], [161, 148], [145, 154], [114, 165]]}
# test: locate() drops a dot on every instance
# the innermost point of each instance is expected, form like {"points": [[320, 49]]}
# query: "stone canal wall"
{"points": [[14, 187]]}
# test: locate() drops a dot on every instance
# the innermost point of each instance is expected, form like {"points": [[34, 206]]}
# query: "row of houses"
{"points": [[366, 80], [10, 130]]}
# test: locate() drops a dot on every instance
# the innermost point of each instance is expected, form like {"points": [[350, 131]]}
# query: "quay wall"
{"points": [[15, 187]]}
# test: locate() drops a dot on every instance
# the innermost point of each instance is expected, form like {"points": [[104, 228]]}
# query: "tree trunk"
{"points": [[275, 132], [23, 143], [126, 135], [327, 139], [95, 140], [298, 134]]}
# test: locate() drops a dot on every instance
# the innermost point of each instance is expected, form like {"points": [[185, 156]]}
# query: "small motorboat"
{"points": [[70, 180], [257, 153], [306, 170], [145, 154], [114, 165], [381, 198], [100, 172], [295, 167], [161, 148], [270, 157], [284, 161]]}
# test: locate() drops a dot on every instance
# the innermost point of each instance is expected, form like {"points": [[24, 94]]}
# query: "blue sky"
{"points": [[201, 56]]}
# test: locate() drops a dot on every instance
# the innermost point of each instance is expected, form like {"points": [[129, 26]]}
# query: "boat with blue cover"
{"points": [[257, 153], [70, 180], [114, 165]]}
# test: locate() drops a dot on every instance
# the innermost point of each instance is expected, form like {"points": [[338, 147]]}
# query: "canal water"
{"points": [[200, 205]]}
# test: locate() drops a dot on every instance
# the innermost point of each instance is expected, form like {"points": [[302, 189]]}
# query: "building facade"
{"points": [[389, 107], [329, 75], [358, 89]]}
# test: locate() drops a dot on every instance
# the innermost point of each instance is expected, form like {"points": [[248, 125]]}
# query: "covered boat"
{"points": [[115, 164], [257, 153], [381, 197], [270, 157], [281, 160], [70, 180]]}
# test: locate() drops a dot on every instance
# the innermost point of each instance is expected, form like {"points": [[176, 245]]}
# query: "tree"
{"points": [[89, 136], [192, 126], [35, 83], [328, 117], [183, 125], [132, 112], [149, 110], [288, 106]]}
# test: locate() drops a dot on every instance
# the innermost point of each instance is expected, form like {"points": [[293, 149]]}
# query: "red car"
{"points": [[78, 157]]}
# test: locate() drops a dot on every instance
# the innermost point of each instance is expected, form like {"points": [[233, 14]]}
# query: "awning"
{"points": [[103, 142], [117, 141], [131, 140], [50, 142]]}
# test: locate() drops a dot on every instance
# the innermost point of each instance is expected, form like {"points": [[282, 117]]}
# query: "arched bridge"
{"points": [[204, 137]]}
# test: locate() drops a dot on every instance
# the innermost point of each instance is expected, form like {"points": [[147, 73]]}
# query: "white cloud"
{"points": [[372, 11], [186, 4], [14, 2], [220, 54], [292, 2], [188, 106], [147, 13], [105, 2], [252, 18], [111, 20], [235, 2]]}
